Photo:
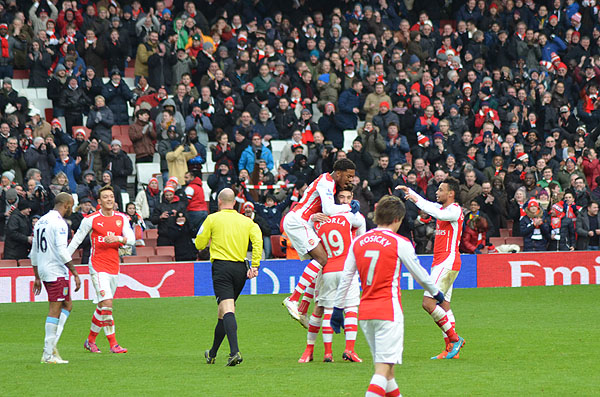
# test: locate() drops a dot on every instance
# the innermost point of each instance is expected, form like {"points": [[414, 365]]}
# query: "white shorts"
{"points": [[303, 237], [385, 339], [443, 278], [105, 285], [326, 290]]}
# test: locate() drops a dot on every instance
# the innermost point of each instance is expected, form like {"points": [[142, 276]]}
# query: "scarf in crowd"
{"points": [[4, 43], [307, 135], [153, 191]]}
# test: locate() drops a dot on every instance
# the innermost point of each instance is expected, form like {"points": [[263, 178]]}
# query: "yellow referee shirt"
{"points": [[230, 232]]}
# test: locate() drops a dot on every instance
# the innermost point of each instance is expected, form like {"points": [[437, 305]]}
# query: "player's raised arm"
{"points": [[449, 213], [84, 229]]}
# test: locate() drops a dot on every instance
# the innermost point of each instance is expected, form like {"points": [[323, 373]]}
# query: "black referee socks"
{"points": [[219, 336], [231, 330]]}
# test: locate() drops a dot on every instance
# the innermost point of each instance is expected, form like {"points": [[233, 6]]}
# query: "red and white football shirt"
{"points": [[104, 257], [378, 255], [319, 197], [336, 235]]}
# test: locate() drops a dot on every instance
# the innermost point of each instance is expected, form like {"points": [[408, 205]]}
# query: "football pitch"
{"points": [[519, 341]]}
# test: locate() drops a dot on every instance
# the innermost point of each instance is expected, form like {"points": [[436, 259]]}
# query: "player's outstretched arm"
{"points": [[450, 213], [84, 229]]}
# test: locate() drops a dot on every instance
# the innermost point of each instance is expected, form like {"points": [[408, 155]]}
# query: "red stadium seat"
{"points": [[145, 251], [49, 113], [505, 232], [509, 224], [129, 72], [150, 242], [497, 241], [20, 74], [151, 233], [135, 259], [160, 259], [276, 247], [165, 250], [24, 262], [8, 263]]}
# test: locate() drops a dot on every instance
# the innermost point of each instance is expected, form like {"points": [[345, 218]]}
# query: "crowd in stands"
{"points": [[500, 94]]}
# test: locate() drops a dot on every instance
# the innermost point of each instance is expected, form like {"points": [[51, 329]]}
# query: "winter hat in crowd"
{"points": [[438, 135], [229, 99], [9, 174], [172, 181], [314, 53], [169, 189], [467, 85], [248, 204], [7, 80], [553, 16], [561, 65], [56, 123], [523, 157], [442, 57], [576, 17], [532, 203], [11, 194], [384, 104], [23, 205], [60, 67], [422, 139], [554, 58], [573, 159], [80, 131], [116, 142], [324, 77], [413, 59]]}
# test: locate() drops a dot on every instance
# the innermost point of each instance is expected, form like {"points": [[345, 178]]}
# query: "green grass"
{"points": [[520, 341]]}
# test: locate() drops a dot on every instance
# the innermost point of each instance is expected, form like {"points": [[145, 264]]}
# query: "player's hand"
{"points": [[37, 286], [111, 239], [77, 283], [320, 217], [355, 205], [439, 297], [337, 319], [252, 272]]}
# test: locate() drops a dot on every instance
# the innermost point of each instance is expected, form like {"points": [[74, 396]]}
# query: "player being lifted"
{"points": [[336, 233], [318, 197], [446, 258], [109, 230], [51, 263], [378, 256]]}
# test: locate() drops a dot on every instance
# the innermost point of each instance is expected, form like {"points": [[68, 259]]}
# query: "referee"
{"points": [[230, 232]]}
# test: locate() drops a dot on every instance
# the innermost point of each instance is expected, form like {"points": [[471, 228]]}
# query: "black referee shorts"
{"points": [[229, 279]]}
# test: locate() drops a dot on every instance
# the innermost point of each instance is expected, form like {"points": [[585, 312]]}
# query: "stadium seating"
{"points": [[145, 171], [497, 241], [135, 259], [161, 259], [276, 247], [151, 233], [24, 262], [165, 250], [8, 263], [145, 251], [150, 242], [505, 232], [515, 240]]}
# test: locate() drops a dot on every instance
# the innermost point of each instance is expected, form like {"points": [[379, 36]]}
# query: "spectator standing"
{"points": [[117, 94], [8, 44], [144, 51], [380, 181], [222, 178], [12, 158], [143, 135], [361, 157], [349, 105], [178, 157], [160, 67], [92, 50], [37, 156], [69, 166], [75, 103], [256, 150], [146, 201], [100, 120], [39, 62], [18, 232], [91, 152], [119, 164], [562, 231], [56, 85], [534, 228], [588, 228], [197, 208], [284, 119], [165, 215], [222, 152], [185, 250]]}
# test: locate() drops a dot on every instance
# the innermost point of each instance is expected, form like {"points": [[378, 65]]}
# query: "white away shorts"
{"points": [[303, 237]]}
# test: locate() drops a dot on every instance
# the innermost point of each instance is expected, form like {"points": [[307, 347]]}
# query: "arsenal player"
{"points": [[336, 233], [378, 256], [109, 230], [446, 258], [318, 197]]}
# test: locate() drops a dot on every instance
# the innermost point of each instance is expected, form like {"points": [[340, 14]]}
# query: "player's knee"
{"points": [[427, 306]]}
